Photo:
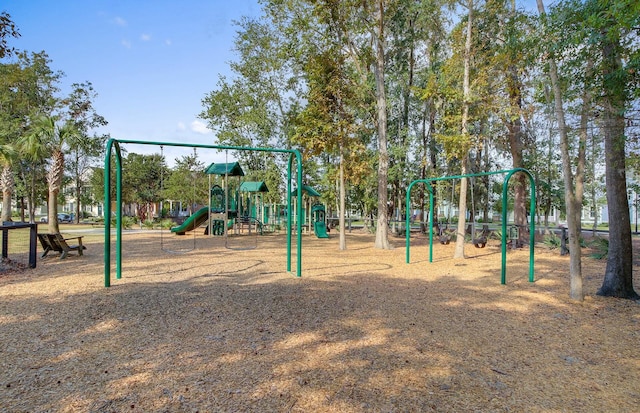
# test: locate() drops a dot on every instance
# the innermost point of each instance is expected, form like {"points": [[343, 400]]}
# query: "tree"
{"points": [[49, 137], [455, 135], [378, 39], [466, 97], [328, 123], [27, 92], [187, 182], [255, 107], [84, 148], [573, 184], [7, 29], [143, 176], [7, 152], [7, 158], [513, 62], [599, 49], [612, 25]]}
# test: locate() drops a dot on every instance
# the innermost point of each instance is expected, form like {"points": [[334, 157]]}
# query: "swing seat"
{"points": [[480, 242], [445, 239]]}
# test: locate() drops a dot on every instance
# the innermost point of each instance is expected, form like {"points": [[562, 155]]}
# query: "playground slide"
{"points": [[320, 228], [193, 221]]}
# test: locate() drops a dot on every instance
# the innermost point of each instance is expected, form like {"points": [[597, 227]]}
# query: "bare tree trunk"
{"points": [[462, 204], [343, 229], [618, 277], [54, 179], [572, 199], [52, 212], [32, 198], [382, 228], [462, 214], [7, 183], [593, 195], [22, 208]]}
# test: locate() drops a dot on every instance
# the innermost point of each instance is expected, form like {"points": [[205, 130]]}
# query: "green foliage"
{"points": [[127, 222], [599, 247], [552, 241], [255, 107], [186, 182], [142, 180], [85, 148], [7, 29], [167, 223]]}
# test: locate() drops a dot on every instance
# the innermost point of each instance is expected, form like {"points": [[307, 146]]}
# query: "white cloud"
{"points": [[145, 37], [182, 126], [126, 43], [199, 127], [119, 21]]}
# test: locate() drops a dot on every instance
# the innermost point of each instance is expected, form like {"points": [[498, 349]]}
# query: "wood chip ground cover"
{"points": [[362, 331]]}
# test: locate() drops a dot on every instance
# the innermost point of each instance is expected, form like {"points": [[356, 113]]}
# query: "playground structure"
{"points": [[224, 212], [513, 229], [113, 148], [316, 217]]}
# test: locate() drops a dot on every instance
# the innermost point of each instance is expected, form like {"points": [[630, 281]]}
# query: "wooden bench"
{"points": [[58, 243]]}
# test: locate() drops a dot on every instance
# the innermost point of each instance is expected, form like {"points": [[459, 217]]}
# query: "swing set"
{"points": [[113, 149], [508, 174]]}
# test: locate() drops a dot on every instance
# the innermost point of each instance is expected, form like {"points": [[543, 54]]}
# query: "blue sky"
{"points": [[151, 62]]}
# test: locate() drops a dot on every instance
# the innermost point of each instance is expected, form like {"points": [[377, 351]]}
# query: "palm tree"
{"points": [[7, 155], [48, 139]]}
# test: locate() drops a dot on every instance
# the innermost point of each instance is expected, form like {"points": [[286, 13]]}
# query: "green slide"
{"points": [[320, 228], [193, 221]]}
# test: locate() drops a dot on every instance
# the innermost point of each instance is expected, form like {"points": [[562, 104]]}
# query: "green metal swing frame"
{"points": [[508, 174], [113, 149]]}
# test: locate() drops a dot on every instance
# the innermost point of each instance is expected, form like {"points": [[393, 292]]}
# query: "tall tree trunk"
{"points": [[462, 213], [520, 180], [7, 184], [618, 277], [593, 194], [32, 197], [573, 200], [462, 204], [514, 126], [54, 179], [22, 208], [343, 229], [382, 228]]}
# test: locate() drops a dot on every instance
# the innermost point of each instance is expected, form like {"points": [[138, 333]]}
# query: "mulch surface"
{"points": [[218, 329]]}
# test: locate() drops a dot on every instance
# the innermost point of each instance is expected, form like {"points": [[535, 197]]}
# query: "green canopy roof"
{"points": [[250, 186], [230, 169], [305, 188]]}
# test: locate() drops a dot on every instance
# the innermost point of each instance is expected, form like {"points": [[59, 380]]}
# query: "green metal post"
{"points": [[503, 242], [118, 213], [300, 213], [107, 213], [289, 217], [431, 210], [532, 233], [111, 145], [407, 222]]}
